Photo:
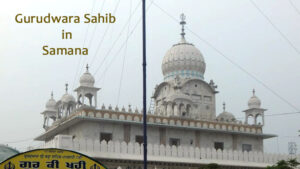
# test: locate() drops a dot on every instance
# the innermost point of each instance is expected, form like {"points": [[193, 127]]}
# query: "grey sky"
{"points": [[234, 27]]}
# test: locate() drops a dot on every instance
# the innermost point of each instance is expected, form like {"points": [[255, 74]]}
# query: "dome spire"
{"points": [[67, 87], [253, 91], [224, 106], [182, 23], [51, 94], [87, 67]]}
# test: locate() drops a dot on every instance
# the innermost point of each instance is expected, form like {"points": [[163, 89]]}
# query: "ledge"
{"points": [[168, 122]]}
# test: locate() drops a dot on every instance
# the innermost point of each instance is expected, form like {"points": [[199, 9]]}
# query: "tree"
{"points": [[282, 164]]}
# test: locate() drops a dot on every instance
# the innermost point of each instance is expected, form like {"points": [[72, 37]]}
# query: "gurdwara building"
{"points": [[184, 130]]}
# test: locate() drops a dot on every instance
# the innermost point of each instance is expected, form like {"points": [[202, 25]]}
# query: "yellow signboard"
{"points": [[51, 158]]}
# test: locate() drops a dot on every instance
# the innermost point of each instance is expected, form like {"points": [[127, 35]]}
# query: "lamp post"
{"points": [[144, 85]]}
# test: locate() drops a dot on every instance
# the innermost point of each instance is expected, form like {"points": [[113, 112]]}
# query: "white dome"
{"points": [[51, 104], [66, 98], [226, 116], [87, 79], [185, 60], [254, 101]]}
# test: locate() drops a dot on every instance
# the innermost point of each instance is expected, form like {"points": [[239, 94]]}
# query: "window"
{"points": [[247, 147], [196, 97], [219, 145], [139, 139], [105, 136], [207, 98], [174, 142]]}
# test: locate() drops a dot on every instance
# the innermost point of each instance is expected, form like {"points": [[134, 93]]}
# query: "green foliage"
{"points": [[212, 166], [282, 164]]}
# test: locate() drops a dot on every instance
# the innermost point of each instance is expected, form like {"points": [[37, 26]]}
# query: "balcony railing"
{"points": [[162, 153]]}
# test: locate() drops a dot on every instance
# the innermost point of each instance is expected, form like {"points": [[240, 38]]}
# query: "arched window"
{"points": [[181, 108], [188, 109], [250, 119], [259, 119], [89, 97]]}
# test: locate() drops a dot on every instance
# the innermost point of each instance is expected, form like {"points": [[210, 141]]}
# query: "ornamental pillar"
{"points": [[82, 98], [95, 98], [169, 109], [176, 110]]}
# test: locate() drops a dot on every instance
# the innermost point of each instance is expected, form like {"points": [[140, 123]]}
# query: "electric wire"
{"points": [[294, 6], [95, 28], [104, 35], [125, 52], [232, 62], [85, 37], [92, 38], [123, 45], [18, 141], [275, 27], [277, 114], [116, 40]]}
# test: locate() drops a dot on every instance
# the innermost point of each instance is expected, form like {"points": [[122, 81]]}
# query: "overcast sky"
{"points": [[234, 27]]}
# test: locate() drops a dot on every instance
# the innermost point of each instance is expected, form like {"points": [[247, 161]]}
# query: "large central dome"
{"points": [[183, 60]]}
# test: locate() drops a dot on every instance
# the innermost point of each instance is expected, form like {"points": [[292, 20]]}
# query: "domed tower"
{"points": [[183, 60], [66, 105], [184, 93], [86, 90], [50, 111], [255, 111]]}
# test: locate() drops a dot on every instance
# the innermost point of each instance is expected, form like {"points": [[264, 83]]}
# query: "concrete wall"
{"points": [[159, 135], [158, 154]]}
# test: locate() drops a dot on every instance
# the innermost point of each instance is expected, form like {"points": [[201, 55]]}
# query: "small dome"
{"points": [[66, 98], [87, 79], [254, 101], [226, 116], [51, 104]]}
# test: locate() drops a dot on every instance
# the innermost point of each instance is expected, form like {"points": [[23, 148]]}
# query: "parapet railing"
{"points": [[174, 121], [135, 149]]}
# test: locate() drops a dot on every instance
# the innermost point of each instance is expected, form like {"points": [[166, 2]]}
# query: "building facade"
{"points": [[184, 130]]}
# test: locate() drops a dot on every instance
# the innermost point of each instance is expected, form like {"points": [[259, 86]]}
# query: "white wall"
{"points": [[91, 130]]}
